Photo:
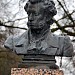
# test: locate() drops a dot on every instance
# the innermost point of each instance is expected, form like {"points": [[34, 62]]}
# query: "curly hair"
{"points": [[48, 7]]}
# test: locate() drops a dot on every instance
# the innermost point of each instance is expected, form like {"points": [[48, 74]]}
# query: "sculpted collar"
{"points": [[51, 39]]}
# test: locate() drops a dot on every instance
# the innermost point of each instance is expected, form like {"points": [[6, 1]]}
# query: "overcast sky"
{"points": [[14, 9]]}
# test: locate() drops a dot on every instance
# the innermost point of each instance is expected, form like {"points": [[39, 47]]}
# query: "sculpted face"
{"points": [[36, 17], [40, 13]]}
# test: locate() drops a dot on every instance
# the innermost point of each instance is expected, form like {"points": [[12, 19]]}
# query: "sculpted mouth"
{"points": [[31, 24]]}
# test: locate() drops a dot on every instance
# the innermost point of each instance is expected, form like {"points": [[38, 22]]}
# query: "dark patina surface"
{"points": [[38, 45]]}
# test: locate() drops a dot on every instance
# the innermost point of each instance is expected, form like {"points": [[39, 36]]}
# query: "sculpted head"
{"points": [[40, 13]]}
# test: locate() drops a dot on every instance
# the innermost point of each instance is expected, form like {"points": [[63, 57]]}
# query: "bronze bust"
{"points": [[38, 43]]}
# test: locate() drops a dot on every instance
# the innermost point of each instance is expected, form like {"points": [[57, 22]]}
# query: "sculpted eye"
{"points": [[36, 14], [28, 13]]}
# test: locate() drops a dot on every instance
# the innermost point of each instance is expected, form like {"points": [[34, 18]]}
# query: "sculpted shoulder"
{"points": [[66, 46], [12, 41], [62, 44]]}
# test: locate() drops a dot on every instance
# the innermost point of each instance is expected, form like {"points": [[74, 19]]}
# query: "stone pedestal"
{"points": [[38, 65], [38, 60], [33, 71]]}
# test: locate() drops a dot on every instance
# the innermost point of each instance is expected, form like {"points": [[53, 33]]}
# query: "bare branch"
{"points": [[1, 24], [63, 29], [69, 16], [66, 16], [16, 20]]}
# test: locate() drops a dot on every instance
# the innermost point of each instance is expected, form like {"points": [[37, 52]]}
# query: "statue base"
{"points": [[33, 71], [38, 60], [38, 65]]}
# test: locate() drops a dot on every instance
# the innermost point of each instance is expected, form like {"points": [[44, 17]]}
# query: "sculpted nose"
{"points": [[31, 18]]}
